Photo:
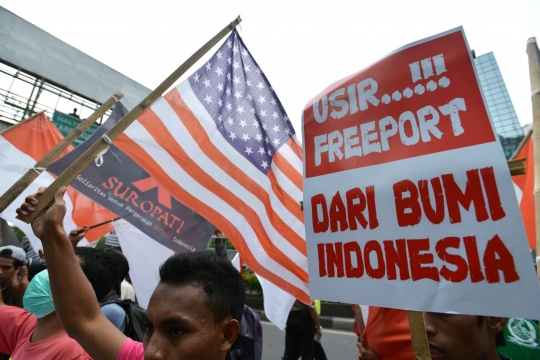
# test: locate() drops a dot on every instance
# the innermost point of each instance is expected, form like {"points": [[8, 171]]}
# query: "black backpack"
{"points": [[134, 328]]}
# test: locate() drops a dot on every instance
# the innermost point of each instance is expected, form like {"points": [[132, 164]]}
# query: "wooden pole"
{"points": [[517, 167], [521, 145], [16, 189], [87, 157], [418, 335], [359, 321], [103, 223], [97, 225], [534, 74]]}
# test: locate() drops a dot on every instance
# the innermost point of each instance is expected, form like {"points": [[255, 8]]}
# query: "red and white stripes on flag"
{"points": [[188, 147], [21, 147]]}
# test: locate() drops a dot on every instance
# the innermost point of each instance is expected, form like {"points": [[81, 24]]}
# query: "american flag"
{"points": [[221, 143]]}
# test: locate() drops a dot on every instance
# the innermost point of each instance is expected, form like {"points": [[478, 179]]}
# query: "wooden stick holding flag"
{"points": [[9, 196], [534, 73], [78, 231], [359, 320], [101, 145]]}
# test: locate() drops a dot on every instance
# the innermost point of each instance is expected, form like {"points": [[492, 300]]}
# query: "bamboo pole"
{"points": [[517, 167], [16, 189], [88, 156], [418, 335], [534, 73]]}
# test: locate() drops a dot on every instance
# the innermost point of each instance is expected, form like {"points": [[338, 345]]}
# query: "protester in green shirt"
{"points": [[521, 338]]}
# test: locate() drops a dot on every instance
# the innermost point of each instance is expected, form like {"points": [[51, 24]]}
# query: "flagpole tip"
{"points": [[235, 22]]}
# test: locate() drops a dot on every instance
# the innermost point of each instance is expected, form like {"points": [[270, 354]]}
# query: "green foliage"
{"points": [[228, 244], [252, 283], [18, 232], [101, 243]]}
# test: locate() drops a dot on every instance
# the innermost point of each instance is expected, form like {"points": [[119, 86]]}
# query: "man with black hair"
{"points": [[102, 270], [452, 336], [123, 268], [11, 259], [457, 337], [194, 313]]}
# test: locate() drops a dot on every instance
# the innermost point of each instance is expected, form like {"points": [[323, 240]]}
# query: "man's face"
{"points": [[457, 337], [7, 270], [181, 326]]}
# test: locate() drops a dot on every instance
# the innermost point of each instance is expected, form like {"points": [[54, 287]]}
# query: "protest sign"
{"points": [[407, 195], [123, 187]]}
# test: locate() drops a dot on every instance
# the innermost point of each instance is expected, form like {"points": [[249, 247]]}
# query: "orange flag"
{"points": [[524, 185], [21, 147]]}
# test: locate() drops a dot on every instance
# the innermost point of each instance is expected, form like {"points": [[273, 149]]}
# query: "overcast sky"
{"points": [[302, 46]]}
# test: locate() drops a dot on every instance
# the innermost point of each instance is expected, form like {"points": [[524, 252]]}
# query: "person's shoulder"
{"points": [[112, 307], [115, 314], [131, 350], [63, 347], [250, 315], [9, 309], [13, 315]]}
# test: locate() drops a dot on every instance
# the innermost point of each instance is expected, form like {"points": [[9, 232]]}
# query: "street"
{"points": [[338, 345]]}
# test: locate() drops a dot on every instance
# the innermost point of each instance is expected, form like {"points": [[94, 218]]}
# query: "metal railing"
{"points": [[16, 106]]}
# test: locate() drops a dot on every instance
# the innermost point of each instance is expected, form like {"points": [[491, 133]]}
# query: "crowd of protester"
{"points": [[82, 307]]}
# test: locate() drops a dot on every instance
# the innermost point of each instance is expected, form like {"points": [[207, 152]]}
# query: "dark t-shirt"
{"points": [[9, 296]]}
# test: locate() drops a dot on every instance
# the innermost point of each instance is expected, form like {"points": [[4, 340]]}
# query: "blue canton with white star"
{"points": [[242, 103]]}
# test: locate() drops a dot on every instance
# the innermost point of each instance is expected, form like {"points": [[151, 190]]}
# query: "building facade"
{"points": [[499, 103], [39, 72]]}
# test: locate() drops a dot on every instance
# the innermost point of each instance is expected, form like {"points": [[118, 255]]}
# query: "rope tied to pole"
{"points": [[38, 170], [99, 157]]}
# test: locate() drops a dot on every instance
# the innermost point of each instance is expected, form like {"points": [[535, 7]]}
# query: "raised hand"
{"points": [[20, 282], [77, 234], [50, 223]]}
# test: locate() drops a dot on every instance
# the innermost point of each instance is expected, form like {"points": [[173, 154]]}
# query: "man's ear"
{"points": [[496, 324], [230, 329]]}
